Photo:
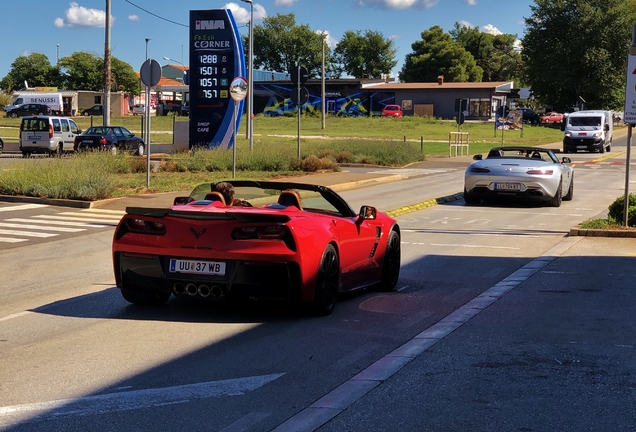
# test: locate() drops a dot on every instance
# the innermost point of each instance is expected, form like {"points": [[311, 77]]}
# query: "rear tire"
{"points": [[392, 260], [327, 282], [13, 115], [558, 196], [145, 298], [568, 196], [140, 149], [602, 149], [470, 198]]}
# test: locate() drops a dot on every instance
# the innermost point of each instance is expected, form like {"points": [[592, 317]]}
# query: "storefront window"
{"points": [[479, 108]]}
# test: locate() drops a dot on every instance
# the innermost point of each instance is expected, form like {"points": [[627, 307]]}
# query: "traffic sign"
{"points": [[304, 96], [150, 73], [304, 75], [629, 116]]}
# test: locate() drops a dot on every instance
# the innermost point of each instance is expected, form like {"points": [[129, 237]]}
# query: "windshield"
{"points": [[590, 121]]}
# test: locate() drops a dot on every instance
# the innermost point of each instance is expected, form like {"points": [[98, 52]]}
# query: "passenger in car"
{"points": [[227, 190]]}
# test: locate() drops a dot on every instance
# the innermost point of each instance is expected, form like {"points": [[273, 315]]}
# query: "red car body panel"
{"points": [[283, 268], [392, 111]]}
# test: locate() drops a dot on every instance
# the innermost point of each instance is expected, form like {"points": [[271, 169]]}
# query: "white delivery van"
{"points": [[589, 130], [53, 100]]}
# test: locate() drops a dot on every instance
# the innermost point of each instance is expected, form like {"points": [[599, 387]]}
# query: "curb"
{"points": [[577, 231]]}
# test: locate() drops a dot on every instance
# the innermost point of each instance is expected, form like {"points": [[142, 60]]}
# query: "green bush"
{"points": [[616, 210]]}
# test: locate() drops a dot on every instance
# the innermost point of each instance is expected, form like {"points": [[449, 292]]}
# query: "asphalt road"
{"points": [[500, 322]]}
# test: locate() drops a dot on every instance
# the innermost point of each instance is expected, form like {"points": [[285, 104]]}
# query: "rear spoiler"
{"points": [[246, 216]]}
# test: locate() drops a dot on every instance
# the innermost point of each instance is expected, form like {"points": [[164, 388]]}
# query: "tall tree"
{"points": [[280, 45], [575, 50], [365, 55], [437, 54], [85, 71], [35, 69], [495, 54]]}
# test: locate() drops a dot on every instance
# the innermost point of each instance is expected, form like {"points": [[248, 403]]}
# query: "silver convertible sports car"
{"points": [[531, 172]]}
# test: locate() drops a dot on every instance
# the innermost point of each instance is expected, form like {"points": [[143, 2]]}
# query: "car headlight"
{"points": [[597, 134], [568, 134]]}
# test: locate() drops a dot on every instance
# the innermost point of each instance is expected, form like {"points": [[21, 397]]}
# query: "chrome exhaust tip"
{"points": [[217, 291], [204, 290], [191, 289], [178, 289]]}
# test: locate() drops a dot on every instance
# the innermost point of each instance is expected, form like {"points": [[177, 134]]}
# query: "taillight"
{"points": [[271, 232], [540, 172], [141, 226], [102, 141], [476, 169], [50, 131]]}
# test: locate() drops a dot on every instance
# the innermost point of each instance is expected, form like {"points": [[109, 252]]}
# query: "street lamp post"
{"points": [[250, 92], [147, 39], [57, 58]]}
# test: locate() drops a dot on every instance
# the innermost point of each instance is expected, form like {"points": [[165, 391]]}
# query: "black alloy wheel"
{"points": [[392, 261], [470, 198], [568, 196], [326, 293], [558, 196]]}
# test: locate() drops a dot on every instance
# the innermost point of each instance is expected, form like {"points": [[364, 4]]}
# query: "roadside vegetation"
{"points": [[615, 216], [373, 141]]}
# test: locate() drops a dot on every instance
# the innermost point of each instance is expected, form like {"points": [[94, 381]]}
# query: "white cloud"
{"points": [[79, 16], [284, 2], [133, 17], [242, 14], [331, 41], [470, 2], [397, 4], [517, 45], [466, 24], [489, 28]]}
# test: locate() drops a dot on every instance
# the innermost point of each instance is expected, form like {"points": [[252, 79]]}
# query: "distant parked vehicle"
{"points": [[139, 110], [392, 111], [529, 116], [29, 110], [552, 117], [109, 138]]}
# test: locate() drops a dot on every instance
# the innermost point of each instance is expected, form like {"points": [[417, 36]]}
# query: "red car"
{"points": [[277, 240], [392, 111], [553, 117]]}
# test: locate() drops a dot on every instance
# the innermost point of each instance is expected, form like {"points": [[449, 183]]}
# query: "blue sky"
{"points": [[63, 26]]}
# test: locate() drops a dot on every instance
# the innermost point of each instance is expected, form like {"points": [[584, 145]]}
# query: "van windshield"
{"points": [[585, 121], [35, 125]]}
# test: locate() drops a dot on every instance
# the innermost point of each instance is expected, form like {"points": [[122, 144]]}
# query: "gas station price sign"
{"points": [[216, 57]]}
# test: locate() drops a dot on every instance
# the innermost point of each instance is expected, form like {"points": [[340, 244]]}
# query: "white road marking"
{"points": [[11, 240], [22, 207], [105, 211], [245, 422], [39, 227], [137, 399], [461, 245], [15, 315], [53, 222], [489, 234], [27, 233], [78, 219], [91, 215]]}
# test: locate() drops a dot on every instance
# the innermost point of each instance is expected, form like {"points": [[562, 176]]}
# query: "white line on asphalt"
{"points": [[39, 227], [15, 315], [22, 207], [77, 219], [27, 233], [53, 222], [489, 234], [352, 390], [91, 215], [245, 422], [138, 399], [105, 211], [461, 245], [11, 240]]}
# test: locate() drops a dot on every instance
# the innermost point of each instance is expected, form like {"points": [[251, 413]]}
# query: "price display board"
{"points": [[216, 57]]}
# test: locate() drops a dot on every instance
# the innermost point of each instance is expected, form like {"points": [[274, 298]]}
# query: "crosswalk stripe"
{"points": [[22, 207], [53, 222], [89, 215], [11, 240], [38, 227], [77, 219], [27, 233], [105, 211]]}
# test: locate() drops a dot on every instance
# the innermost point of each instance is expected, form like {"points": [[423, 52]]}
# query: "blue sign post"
{"points": [[216, 57]]}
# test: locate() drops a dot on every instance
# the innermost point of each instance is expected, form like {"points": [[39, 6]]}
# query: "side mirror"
{"points": [[477, 157], [566, 160], [182, 200], [563, 126], [79, 131], [367, 212]]}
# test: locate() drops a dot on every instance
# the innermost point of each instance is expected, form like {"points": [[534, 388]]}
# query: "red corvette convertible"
{"points": [[270, 240]]}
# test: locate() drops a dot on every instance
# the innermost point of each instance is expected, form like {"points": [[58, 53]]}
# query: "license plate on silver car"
{"points": [[197, 267], [507, 186]]}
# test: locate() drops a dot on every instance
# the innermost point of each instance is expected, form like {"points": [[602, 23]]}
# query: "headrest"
{"points": [[215, 196], [290, 198]]}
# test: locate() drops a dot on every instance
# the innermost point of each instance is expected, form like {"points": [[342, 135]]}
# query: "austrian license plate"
{"points": [[197, 267], [508, 186]]}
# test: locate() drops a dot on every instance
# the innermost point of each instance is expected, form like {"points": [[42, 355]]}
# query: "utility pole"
{"points": [[323, 102], [107, 76]]}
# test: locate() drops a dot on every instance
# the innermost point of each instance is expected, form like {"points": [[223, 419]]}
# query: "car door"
{"points": [[358, 246], [68, 138], [122, 139]]}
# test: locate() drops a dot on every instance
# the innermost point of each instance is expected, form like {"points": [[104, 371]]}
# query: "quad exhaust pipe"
{"points": [[203, 290]]}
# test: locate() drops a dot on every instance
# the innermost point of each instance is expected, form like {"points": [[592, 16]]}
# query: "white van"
{"points": [[53, 100], [589, 130], [47, 134]]}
